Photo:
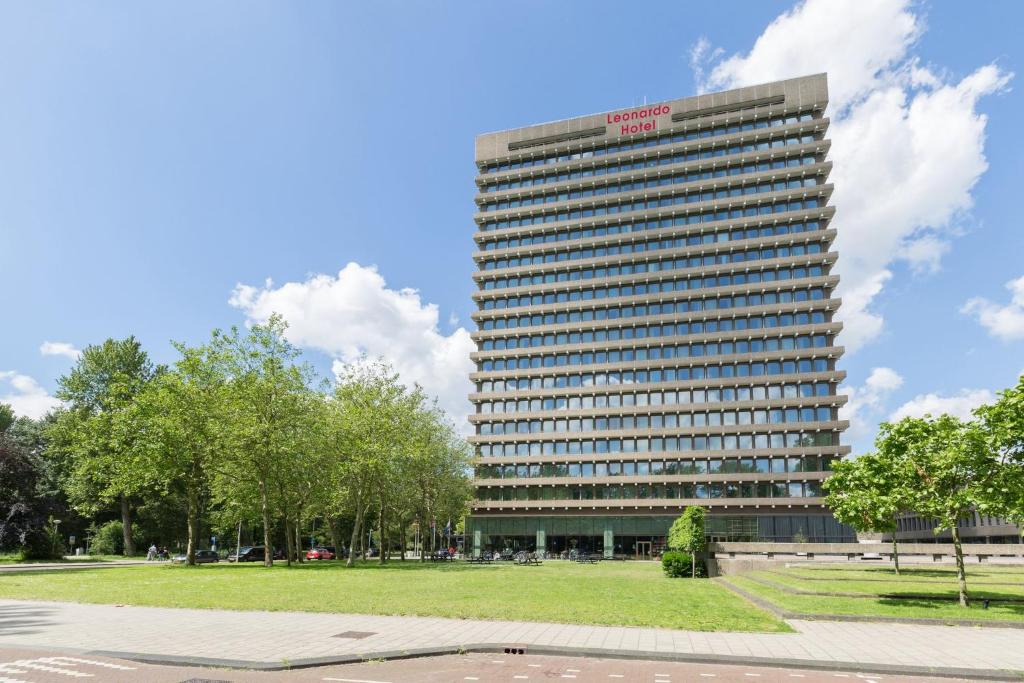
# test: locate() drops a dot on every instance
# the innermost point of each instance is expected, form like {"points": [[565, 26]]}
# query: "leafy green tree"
{"points": [[687, 533], [184, 418], [869, 492], [952, 467], [1003, 423], [98, 430], [266, 402], [6, 417]]}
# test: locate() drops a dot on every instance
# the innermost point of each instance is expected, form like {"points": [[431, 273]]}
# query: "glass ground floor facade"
{"points": [[640, 535]]}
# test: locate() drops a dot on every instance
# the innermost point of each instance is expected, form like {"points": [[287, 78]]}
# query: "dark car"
{"points": [[202, 557], [248, 553]]}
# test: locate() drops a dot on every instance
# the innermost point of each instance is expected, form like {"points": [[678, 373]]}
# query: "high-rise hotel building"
{"points": [[656, 325]]}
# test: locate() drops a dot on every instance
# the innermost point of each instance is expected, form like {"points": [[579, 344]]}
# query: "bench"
{"points": [[478, 560]]}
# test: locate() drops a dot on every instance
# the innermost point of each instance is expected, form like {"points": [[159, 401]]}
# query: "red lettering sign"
{"points": [[645, 119]]}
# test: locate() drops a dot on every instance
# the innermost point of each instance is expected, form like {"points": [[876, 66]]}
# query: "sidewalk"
{"points": [[84, 564], [272, 639]]}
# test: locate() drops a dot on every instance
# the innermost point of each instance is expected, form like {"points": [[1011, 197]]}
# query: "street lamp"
{"points": [[56, 537]]}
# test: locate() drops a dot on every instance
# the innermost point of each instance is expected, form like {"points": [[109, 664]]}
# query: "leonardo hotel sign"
{"points": [[638, 120]]}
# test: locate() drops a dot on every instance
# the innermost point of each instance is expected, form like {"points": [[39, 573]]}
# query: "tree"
{"points": [[266, 399], [6, 417], [1003, 423], [182, 416], [687, 533], [97, 429], [869, 492], [952, 469]]}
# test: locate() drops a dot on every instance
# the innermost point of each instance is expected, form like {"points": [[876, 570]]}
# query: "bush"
{"points": [[109, 539], [42, 544], [677, 564]]}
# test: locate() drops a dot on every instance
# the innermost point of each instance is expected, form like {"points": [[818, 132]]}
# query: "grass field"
{"points": [[883, 592], [613, 593]]}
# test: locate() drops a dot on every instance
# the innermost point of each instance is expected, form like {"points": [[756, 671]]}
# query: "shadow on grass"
{"points": [[1014, 609]]}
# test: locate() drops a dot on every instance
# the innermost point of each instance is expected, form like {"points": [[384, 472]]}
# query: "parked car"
{"points": [[248, 553], [202, 557], [321, 553]]}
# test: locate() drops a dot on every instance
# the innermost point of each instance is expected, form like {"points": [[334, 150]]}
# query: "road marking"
{"points": [[751, 674], [90, 662], [709, 675], [568, 675], [615, 676], [471, 678], [534, 666], [11, 680], [573, 671], [497, 661], [31, 664], [354, 680], [521, 677]]}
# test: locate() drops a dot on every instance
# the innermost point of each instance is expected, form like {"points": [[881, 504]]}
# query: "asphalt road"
{"points": [[40, 666]]}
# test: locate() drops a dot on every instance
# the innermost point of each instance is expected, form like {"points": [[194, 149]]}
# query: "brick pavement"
{"points": [[273, 638]]}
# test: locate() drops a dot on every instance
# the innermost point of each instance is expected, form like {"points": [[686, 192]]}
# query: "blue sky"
{"points": [[159, 163]]}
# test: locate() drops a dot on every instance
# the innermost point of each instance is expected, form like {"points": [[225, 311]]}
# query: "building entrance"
{"points": [[643, 550]]}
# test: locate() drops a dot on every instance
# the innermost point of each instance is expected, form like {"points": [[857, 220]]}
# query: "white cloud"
{"points": [[907, 140], [25, 395], [48, 348], [354, 313], [867, 402], [959, 405], [1005, 322]]}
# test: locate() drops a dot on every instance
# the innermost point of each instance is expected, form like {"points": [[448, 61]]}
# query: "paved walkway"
{"points": [[271, 638]]}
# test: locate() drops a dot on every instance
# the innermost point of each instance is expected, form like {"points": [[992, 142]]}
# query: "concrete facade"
{"points": [[656, 324]]}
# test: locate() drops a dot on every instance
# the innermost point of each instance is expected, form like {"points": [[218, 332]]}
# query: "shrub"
{"points": [[42, 544], [677, 564], [109, 539]]}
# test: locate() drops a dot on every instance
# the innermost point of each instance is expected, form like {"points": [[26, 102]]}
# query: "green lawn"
{"points": [[1010, 586], [614, 593], [927, 582], [976, 573]]}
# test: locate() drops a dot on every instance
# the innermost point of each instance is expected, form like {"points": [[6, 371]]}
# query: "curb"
{"points": [[923, 621], [551, 650]]}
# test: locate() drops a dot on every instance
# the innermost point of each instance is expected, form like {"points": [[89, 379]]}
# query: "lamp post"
{"points": [[56, 537]]}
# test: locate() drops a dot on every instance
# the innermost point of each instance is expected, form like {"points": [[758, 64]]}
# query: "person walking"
{"points": [[151, 553]]}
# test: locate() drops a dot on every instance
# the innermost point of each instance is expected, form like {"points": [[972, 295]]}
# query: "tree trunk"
{"points": [[423, 541], [332, 527], [380, 534], [268, 550], [126, 527], [289, 540], [961, 575], [401, 539], [693, 565], [193, 525], [895, 553], [299, 555], [356, 536]]}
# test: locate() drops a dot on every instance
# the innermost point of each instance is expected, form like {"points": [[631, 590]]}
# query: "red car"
{"points": [[320, 554]]}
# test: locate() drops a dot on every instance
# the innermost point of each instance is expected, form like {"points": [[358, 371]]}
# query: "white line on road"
{"points": [[709, 675], [354, 680], [11, 680], [31, 664], [90, 662], [615, 676], [521, 677]]}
